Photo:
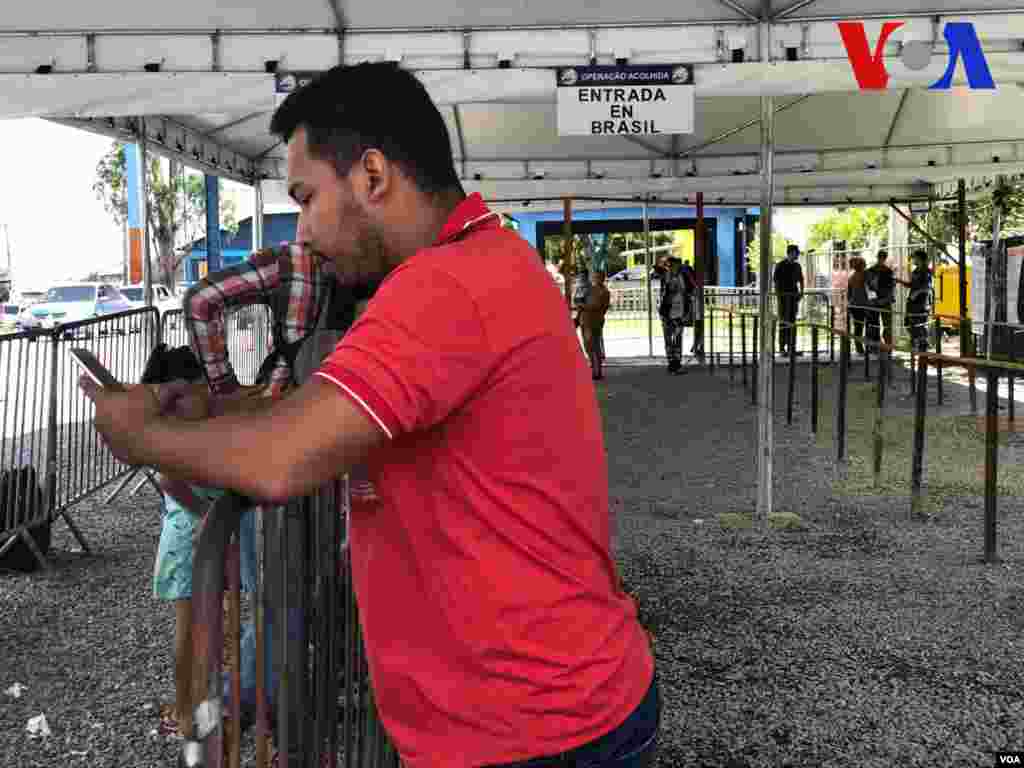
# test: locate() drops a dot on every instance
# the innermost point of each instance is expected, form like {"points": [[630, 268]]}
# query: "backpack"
{"points": [[21, 499], [166, 364], [336, 313]]}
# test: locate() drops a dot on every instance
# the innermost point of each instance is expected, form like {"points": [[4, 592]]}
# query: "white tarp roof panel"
{"points": [[212, 99]]}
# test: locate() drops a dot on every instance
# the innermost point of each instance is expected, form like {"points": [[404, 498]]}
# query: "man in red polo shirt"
{"points": [[495, 629]]}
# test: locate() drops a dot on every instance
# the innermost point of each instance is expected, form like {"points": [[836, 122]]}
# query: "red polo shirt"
{"points": [[494, 627]]}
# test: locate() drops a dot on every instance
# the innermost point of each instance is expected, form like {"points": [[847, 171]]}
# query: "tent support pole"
{"points": [[257, 217], [700, 266], [961, 203], [765, 406], [647, 280], [147, 272]]}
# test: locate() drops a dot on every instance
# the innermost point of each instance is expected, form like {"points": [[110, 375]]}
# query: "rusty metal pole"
{"points": [[991, 463], [259, 615]]}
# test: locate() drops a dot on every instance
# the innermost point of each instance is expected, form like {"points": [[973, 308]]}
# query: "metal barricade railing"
{"points": [[123, 343], [992, 371], [327, 699], [247, 331], [24, 442]]}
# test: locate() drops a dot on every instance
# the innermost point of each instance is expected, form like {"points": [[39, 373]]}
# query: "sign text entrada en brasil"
{"points": [[628, 100]]}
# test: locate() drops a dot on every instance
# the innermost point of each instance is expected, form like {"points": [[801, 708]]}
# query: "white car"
{"points": [[163, 299]]}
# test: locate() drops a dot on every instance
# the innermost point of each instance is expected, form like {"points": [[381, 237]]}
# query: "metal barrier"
{"points": [[123, 343], [328, 708], [247, 331], [24, 443], [47, 427], [881, 377]]}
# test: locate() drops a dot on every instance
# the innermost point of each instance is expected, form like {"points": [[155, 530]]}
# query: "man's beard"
{"points": [[363, 270]]}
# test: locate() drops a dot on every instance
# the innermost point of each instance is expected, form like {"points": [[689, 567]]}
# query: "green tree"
{"points": [[176, 205], [779, 244], [859, 227]]}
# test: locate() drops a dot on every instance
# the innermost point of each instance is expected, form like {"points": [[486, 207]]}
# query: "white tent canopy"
{"points": [[491, 67]]}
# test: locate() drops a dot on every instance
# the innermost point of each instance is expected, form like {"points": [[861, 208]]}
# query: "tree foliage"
{"points": [[779, 244], [942, 221], [620, 242], [858, 227], [176, 205]]}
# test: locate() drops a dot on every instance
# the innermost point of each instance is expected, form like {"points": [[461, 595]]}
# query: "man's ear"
{"points": [[376, 174]]}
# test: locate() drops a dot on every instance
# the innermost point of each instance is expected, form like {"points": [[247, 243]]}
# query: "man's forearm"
{"points": [[242, 401], [231, 452]]}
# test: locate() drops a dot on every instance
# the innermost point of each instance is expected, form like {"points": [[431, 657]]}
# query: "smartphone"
{"points": [[94, 369]]}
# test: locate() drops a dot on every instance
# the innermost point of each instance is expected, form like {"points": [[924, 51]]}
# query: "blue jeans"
{"points": [[631, 745]]}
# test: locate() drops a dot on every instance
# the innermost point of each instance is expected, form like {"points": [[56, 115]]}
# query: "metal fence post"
{"points": [[711, 339], [743, 348], [814, 380], [732, 365], [792, 376], [879, 420], [1011, 400], [972, 376], [991, 463], [756, 364], [832, 334], [920, 411], [844, 375], [51, 432]]}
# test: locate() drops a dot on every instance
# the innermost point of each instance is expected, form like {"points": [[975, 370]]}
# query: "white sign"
{"points": [[287, 82], [642, 100]]}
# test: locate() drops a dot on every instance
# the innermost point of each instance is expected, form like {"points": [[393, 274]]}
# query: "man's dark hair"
{"points": [[882, 254], [348, 110], [792, 248], [675, 260], [920, 255]]}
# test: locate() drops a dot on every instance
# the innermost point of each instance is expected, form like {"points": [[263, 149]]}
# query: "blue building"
{"points": [[724, 227], [277, 228]]}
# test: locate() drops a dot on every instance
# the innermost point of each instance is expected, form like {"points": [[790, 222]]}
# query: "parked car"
{"points": [[163, 299], [70, 302], [634, 276], [9, 318]]}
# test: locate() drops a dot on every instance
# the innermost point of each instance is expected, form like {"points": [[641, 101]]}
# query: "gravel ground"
{"points": [[861, 638]]}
